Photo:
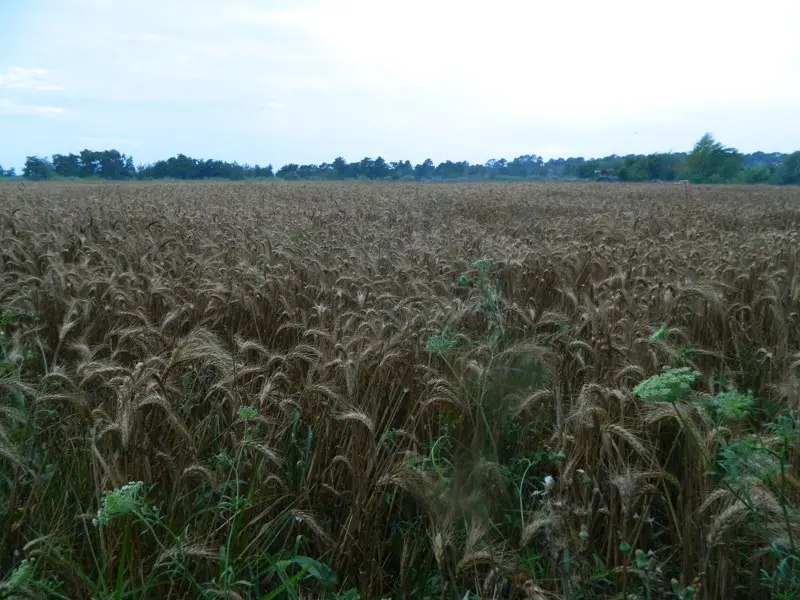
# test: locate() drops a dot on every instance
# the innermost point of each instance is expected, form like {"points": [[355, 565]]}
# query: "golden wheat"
{"points": [[166, 312]]}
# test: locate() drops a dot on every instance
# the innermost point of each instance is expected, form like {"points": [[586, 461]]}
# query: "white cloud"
{"points": [[10, 107], [603, 59], [22, 78], [618, 62]]}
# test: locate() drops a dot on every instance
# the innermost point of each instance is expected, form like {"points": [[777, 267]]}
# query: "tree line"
{"points": [[708, 162]]}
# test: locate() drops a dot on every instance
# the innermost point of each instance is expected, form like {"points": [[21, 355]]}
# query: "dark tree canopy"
{"points": [[708, 162]]}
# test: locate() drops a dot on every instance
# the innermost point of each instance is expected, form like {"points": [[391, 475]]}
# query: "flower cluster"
{"points": [[22, 575], [671, 385], [246, 413], [119, 503]]}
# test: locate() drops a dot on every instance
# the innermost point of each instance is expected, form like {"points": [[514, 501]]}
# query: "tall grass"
{"points": [[399, 391]]}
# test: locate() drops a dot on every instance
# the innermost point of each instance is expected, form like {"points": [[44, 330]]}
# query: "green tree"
{"points": [[449, 169], [263, 172], [112, 165], [710, 161], [755, 174], [365, 167], [425, 170], [90, 163], [37, 167], [789, 171], [339, 167], [635, 169], [130, 169], [67, 165], [587, 169], [663, 166], [285, 170], [380, 168]]}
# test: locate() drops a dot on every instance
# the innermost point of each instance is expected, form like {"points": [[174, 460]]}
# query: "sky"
{"points": [[305, 81]]}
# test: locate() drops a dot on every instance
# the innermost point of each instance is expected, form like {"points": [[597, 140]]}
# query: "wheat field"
{"points": [[364, 390]]}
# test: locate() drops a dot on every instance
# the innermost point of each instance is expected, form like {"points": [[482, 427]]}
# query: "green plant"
{"points": [[733, 405], [672, 384], [24, 581], [750, 458], [684, 593], [438, 344]]}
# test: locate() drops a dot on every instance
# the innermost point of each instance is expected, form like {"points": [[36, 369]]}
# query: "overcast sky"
{"points": [[276, 81]]}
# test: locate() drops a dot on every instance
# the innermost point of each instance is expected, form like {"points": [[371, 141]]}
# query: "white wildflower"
{"points": [[119, 503]]}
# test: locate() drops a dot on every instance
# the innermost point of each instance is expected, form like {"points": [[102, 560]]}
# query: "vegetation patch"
{"points": [[274, 390]]}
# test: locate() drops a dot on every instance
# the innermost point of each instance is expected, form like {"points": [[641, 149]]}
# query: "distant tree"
{"points": [[763, 159], [339, 167], [263, 172], [325, 171], [90, 163], [499, 166], [236, 171], [308, 171], [663, 166], [461, 168], [401, 169], [286, 169], [450, 169], [708, 161], [106, 164], [184, 167], [129, 168], [588, 169], [789, 171], [527, 165], [756, 174], [365, 168], [380, 168], [569, 167], [67, 165], [113, 165], [711, 161], [635, 169], [424, 170], [38, 168]]}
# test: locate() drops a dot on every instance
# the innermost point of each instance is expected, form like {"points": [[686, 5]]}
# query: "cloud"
{"points": [[9, 107], [275, 105], [22, 78]]}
